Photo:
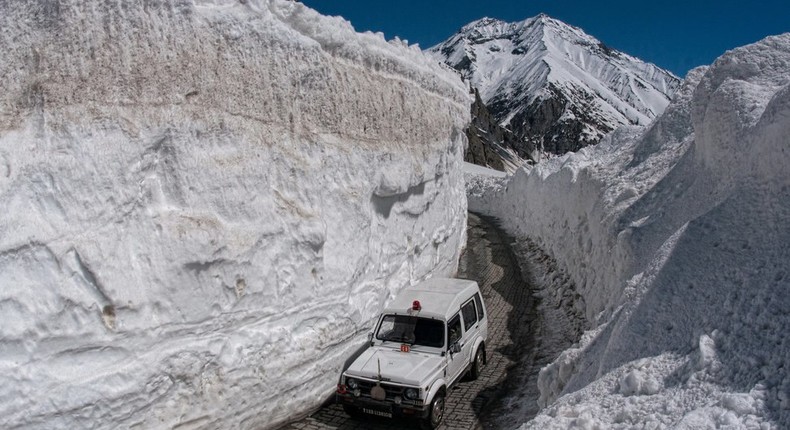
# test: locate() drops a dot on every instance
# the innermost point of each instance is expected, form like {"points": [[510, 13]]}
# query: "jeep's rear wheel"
{"points": [[352, 411], [480, 361], [436, 413]]}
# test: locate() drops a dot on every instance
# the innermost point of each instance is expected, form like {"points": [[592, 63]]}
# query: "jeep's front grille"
{"points": [[391, 390]]}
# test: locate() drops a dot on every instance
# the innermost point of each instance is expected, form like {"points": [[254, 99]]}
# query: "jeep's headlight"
{"points": [[411, 393], [352, 383]]}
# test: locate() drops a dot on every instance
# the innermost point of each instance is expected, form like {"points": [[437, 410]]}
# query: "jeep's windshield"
{"points": [[412, 330]]}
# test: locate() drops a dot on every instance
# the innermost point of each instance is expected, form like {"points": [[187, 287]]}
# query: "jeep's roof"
{"points": [[439, 297]]}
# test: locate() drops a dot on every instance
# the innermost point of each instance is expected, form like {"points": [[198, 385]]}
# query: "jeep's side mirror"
{"points": [[455, 348], [370, 338]]}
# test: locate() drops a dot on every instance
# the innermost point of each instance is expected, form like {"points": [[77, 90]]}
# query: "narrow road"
{"points": [[480, 404]]}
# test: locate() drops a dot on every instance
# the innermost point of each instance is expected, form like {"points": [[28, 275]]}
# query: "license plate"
{"points": [[377, 413]]}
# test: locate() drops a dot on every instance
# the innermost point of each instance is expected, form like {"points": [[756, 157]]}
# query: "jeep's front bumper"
{"points": [[382, 407]]}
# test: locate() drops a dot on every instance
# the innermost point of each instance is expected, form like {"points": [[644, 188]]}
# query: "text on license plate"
{"points": [[377, 413]]}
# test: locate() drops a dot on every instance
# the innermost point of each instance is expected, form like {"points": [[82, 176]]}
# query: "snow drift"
{"points": [[678, 240], [205, 203]]}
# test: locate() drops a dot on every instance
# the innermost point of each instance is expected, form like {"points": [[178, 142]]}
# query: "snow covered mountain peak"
{"points": [[552, 84], [498, 28]]}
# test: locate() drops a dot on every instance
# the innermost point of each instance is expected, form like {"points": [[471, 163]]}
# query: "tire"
{"points": [[352, 411], [480, 361], [436, 413]]}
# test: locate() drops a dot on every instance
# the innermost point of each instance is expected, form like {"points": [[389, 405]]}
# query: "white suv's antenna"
{"points": [[378, 392]]}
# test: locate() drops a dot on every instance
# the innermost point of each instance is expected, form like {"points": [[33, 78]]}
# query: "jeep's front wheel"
{"points": [[352, 411], [480, 361], [436, 413]]}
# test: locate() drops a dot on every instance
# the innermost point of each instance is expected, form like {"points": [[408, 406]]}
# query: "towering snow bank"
{"points": [[204, 205], [678, 239]]}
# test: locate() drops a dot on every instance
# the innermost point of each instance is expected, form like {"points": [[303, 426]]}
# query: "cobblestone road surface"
{"points": [[478, 404]]}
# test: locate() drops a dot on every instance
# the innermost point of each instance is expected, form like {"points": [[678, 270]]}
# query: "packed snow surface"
{"points": [[474, 171], [678, 240], [205, 203]]}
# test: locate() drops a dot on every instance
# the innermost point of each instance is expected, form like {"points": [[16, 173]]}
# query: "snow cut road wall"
{"points": [[205, 203], [677, 239]]}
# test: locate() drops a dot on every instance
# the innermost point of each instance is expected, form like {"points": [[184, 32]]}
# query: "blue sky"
{"points": [[676, 35]]}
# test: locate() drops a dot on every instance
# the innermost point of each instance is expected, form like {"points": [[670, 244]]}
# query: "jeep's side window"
{"points": [[479, 303], [470, 316], [454, 330]]}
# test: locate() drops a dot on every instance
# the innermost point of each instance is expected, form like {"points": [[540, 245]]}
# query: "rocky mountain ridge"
{"points": [[556, 88]]}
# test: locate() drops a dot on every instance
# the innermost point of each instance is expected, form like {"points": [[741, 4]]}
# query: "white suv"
{"points": [[429, 337]]}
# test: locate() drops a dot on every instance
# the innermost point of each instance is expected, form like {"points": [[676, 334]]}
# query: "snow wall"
{"points": [[206, 203], [678, 240]]}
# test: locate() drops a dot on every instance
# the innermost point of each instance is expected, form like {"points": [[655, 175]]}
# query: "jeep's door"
{"points": [[456, 362], [482, 321], [471, 327]]}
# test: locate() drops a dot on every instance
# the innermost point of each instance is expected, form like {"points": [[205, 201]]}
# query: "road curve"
{"points": [[480, 404]]}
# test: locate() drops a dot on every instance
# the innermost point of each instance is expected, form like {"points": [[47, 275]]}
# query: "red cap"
{"points": [[416, 305]]}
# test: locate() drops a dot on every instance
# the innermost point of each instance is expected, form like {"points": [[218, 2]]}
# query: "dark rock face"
{"points": [[489, 142], [481, 153], [555, 124]]}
